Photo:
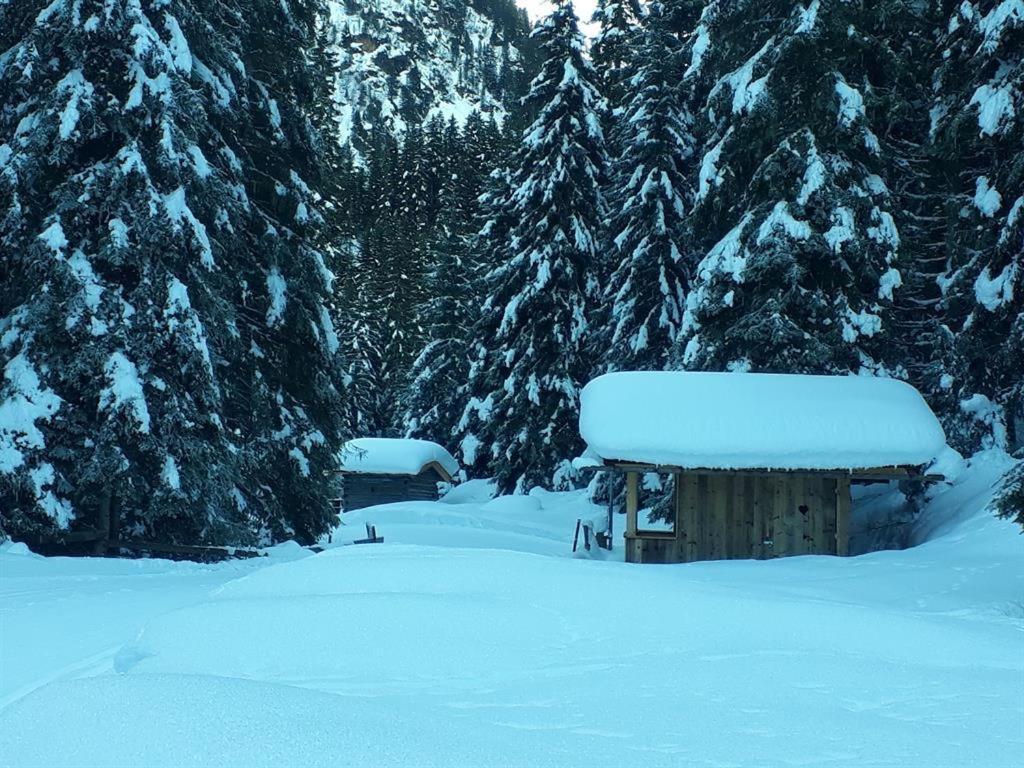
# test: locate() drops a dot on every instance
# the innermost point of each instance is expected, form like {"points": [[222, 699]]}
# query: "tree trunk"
{"points": [[103, 522]]}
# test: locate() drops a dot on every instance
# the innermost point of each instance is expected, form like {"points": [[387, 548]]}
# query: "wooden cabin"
{"points": [[760, 465], [376, 470]]}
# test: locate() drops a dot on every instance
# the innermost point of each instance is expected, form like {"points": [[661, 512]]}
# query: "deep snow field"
{"points": [[472, 637]]}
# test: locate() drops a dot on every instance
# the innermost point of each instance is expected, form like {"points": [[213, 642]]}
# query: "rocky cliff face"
{"points": [[402, 62]]}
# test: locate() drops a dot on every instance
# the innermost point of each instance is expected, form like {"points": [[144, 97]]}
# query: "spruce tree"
{"points": [[296, 380], [450, 308], [378, 322], [385, 288], [802, 251], [115, 301], [528, 357], [159, 290], [979, 132], [650, 253], [612, 49], [919, 180]]}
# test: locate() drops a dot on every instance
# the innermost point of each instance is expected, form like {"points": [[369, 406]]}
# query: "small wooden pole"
{"points": [[843, 516], [632, 503]]}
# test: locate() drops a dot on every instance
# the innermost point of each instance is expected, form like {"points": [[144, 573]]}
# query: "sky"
{"points": [[537, 8]]}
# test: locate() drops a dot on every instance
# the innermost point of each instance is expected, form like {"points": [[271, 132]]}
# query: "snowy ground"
{"points": [[472, 638]]}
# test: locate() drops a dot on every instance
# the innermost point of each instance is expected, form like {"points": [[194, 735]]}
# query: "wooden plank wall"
{"points": [[367, 490], [724, 516], [842, 537]]}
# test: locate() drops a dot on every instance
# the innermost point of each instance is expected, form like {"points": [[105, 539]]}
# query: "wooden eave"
{"points": [[436, 466], [895, 472]]}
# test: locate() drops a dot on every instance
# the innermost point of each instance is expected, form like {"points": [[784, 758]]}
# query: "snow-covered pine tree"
{"points": [[801, 245], [442, 366], [131, 136], [528, 359], [378, 322], [291, 403], [650, 256], [114, 305], [296, 376], [382, 298], [979, 132], [613, 46], [919, 184]]}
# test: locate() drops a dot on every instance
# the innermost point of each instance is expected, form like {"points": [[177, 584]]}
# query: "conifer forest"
{"points": [[235, 234]]}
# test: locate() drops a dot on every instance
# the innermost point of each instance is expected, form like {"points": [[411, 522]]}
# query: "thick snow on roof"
{"points": [[757, 421], [393, 456]]}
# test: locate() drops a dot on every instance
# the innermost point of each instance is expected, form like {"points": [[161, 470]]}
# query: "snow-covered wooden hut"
{"points": [[761, 463], [379, 470]]}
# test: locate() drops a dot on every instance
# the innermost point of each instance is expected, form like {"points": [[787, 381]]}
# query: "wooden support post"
{"points": [[843, 516], [632, 503], [679, 486]]}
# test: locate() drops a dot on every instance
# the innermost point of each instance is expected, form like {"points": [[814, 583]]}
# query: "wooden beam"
{"points": [[72, 537], [869, 473], [632, 502], [223, 553]]}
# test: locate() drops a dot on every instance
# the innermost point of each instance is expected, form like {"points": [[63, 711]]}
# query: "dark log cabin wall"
{"points": [[359, 490]]}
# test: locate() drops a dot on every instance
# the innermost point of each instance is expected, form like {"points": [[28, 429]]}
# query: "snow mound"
{"points": [[539, 523], [757, 421], [287, 550], [17, 549], [394, 456], [513, 505], [471, 492]]}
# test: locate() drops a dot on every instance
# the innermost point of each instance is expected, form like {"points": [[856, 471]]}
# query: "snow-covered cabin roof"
{"points": [[756, 421], [394, 456]]}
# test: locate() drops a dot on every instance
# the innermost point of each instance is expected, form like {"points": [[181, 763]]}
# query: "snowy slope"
{"points": [[435, 654], [405, 61], [65, 617]]}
